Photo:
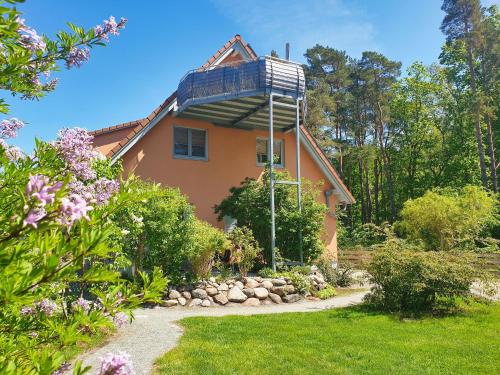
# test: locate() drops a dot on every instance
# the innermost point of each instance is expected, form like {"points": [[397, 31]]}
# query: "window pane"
{"points": [[261, 151], [277, 152], [198, 138], [181, 141]]}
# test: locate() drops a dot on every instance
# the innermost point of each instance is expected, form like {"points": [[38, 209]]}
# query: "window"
{"points": [[190, 143], [262, 152]]}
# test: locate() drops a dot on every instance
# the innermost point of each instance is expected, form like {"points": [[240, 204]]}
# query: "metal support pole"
{"points": [[297, 164], [271, 182]]}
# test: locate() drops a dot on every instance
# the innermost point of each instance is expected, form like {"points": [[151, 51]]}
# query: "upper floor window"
{"points": [[278, 151], [190, 143]]}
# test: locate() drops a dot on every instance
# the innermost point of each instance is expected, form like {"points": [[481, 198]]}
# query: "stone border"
{"points": [[249, 291]]}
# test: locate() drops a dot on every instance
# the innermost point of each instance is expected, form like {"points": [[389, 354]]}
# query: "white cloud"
{"points": [[271, 23]]}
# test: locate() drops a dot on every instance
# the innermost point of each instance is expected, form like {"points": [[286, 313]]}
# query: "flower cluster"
{"points": [[81, 304], [46, 307], [120, 319], [116, 364], [109, 27], [64, 369], [38, 188], [29, 37], [27, 311], [73, 208], [77, 56], [103, 189], [9, 128], [75, 147]]}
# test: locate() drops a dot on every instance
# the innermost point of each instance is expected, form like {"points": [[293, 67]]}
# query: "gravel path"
{"points": [[154, 332]]}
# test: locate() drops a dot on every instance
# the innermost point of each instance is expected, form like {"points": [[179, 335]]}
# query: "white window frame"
{"points": [[179, 156], [282, 151]]}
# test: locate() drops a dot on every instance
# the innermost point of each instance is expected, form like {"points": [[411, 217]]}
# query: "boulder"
{"points": [[289, 289], [279, 290], [212, 280], [278, 282], [258, 279], [211, 291], [174, 294], [239, 284], [291, 298], [170, 303], [205, 303], [249, 292], [182, 301], [267, 284], [261, 293], [251, 283], [186, 294], [267, 301], [236, 295], [223, 287], [221, 298], [199, 293], [251, 302], [275, 298], [195, 302]]}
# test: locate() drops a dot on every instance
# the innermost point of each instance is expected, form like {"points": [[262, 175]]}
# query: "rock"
{"points": [[212, 291], [278, 282], [261, 293], [205, 303], [186, 294], [267, 301], [291, 298], [221, 298], [251, 302], [267, 284], [182, 301], [279, 290], [174, 294], [199, 293], [195, 302], [239, 284], [212, 279], [318, 279], [275, 298], [236, 295], [289, 289], [251, 283], [249, 292], [258, 279], [210, 299], [223, 287], [170, 303]]}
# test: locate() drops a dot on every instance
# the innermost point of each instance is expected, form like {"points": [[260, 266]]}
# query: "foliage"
{"points": [[266, 272], [301, 282], [358, 342], [365, 235], [326, 293], [244, 249], [27, 58], [206, 242], [249, 205], [340, 276], [408, 281], [446, 219]]}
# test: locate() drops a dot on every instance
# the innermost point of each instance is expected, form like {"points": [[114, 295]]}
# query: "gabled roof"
{"points": [[140, 127]]}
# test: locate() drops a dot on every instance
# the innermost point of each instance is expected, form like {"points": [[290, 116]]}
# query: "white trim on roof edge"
{"points": [[237, 46]]}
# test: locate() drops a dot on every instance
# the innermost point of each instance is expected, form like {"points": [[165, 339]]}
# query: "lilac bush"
{"points": [[116, 364]]}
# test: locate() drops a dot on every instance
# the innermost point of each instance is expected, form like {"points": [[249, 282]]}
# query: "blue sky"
{"points": [[163, 39]]}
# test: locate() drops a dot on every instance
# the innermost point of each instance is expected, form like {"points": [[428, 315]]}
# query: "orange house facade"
{"points": [[205, 157]]}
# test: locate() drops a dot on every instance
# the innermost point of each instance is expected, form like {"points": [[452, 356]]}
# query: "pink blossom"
{"points": [[120, 319], [116, 364], [34, 216], [82, 303], [9, 128], [39, 189], [29, 37], [109, 27], [46, 306], [72, 209], [75, 147], [77, 56]]}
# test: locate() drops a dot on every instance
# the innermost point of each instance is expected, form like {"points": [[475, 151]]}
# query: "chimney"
{"points": [[287, 51]]}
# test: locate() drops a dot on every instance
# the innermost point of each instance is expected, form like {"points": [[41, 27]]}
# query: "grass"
{"points": [[341, 341]]}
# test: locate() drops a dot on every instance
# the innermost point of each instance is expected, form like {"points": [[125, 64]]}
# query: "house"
{"points": [[214, 131]]}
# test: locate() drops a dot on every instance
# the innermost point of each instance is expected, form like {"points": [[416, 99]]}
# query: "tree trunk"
{"points": [[368, 197], [491, 152], [361, 193], [376, 191]]}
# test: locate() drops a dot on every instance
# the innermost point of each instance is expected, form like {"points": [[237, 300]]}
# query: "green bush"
{"points": [[326, 293], [447, 219], [408, 281], [206, 242], [249, 205], [340, 276], [364, 236], [244, 249], [266, 272]]}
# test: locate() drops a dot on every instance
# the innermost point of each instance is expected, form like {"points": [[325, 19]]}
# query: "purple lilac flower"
{"points": [[34, 216], [116, 364], [87, 192], [14, 153], [46, 306], [75, 147], [120, 319], [39, 189], [104, 188], [9, 128], [29, 37], [33, 334], [65, 367], [27, 311], [73, 209], [82, 303], [109, 27], [77, 56]]}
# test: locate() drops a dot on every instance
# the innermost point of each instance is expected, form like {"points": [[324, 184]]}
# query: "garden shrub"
{"points": [[244, 249], [340, 276], [409, 281], [446, 219], [364, 236], [249, 205], [206, 242], [266, 272], [326, 293]]}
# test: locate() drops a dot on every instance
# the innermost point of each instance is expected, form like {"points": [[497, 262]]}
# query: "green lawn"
{"points": [[342, 341]]}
